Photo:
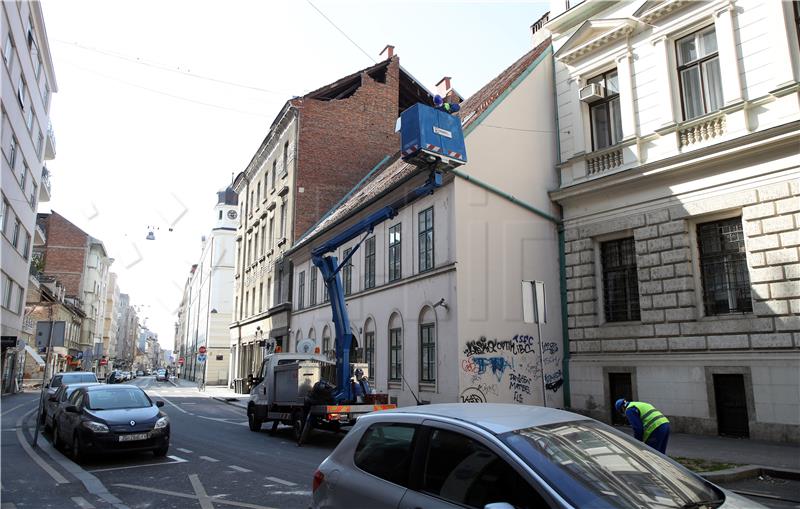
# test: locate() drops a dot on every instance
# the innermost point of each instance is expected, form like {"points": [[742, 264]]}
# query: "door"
{"points": [[732, 418], [619, 386]]}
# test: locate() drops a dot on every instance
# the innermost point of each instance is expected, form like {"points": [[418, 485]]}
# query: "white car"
{"points": [[503, 456]]}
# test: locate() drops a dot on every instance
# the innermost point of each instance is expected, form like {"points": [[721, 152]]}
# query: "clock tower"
{"points": [[226, 211]]}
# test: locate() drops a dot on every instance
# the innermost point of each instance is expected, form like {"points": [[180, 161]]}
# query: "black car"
{"points": [[115, 377], [52, 403], [103, 418]]}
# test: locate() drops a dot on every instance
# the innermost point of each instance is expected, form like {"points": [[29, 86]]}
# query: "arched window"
{"points": [[297, 339], [313, 336], [356, 350], [326, 341], [369, 347], [427, 345], [395, 348]]}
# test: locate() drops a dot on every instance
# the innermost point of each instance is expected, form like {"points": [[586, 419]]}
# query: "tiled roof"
{"points": [[396, 170]]}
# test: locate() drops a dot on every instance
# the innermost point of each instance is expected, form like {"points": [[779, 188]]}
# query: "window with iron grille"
{"points": [[427, 352], [395, 266], [301, 290], [369, 353], [347, 273], [723, 265], [620, 281], [395, 354], [426, 240], [605, 115], [698, 68], [369, 263], [312, 287]]}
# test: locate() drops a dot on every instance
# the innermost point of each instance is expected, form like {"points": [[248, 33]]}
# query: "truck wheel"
{"points": [[274, 427], [297, 427], [253, 421]]}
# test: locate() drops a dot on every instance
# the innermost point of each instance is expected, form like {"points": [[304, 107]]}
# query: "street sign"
{"points": [[103, 362], [181, 361], [201, 358], [202, 350]]}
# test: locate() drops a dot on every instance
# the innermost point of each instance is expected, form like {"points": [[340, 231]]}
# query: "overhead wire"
{"points": [[341, 31]]}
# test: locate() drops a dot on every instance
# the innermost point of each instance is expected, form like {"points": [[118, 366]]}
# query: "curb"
{"points": [[749, 472]]}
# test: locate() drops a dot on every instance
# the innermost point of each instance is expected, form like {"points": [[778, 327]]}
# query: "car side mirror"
{"points": [[47, 385], [159, 404], [498, 505], [71, 409]]}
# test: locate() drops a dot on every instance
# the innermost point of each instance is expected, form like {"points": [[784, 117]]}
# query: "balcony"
{"points": [[50, 145], [44, 186]]}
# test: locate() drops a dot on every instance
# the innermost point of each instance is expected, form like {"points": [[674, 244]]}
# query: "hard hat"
{"points": [[437, 100], [620, 405]]}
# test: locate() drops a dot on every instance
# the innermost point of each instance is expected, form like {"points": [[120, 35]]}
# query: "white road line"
{"points": [[82, 503], [9, 410], [281, 481], [200, 491], [189, 403], [8, 505], [295, 492], [194, 497], [170, 402], [239, 469], [187, 451], [58, 478], [175, 458], [212, 460]]}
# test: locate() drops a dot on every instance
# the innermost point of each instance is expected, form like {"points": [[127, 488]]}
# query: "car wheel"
{"points": [[253, 421], [77, 449], [161, 451], [57, 438]]}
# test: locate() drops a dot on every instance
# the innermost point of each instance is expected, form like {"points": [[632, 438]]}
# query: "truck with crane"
{"points": [[308, 390]]}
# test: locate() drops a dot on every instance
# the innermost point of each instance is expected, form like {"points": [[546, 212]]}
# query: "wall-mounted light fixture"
{"points": [[441, 303]]}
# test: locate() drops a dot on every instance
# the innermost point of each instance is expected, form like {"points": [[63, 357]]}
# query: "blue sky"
{"points": [[161, 102]]}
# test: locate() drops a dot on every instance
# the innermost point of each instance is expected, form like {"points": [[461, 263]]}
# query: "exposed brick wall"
{"points": [[65, 253], [667, 283], [340, 141]]}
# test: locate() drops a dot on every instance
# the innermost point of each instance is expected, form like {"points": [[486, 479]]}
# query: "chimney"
{"points": [[390, 49], [443, 87]]}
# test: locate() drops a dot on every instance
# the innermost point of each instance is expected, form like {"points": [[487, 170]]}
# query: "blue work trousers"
{"points": [[659, 437]]}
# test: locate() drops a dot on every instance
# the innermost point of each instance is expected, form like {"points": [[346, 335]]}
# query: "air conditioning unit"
{"points": [[592, 92]]}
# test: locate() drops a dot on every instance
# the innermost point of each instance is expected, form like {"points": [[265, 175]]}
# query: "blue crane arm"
{"points": [[329, 267]]}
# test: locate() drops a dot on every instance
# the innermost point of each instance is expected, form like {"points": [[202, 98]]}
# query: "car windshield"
{"points": [[110, 399], [592, 465]]}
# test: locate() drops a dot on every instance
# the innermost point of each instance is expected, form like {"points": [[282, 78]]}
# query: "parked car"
{"points": [[115, 377], [52, 403], [140, 373], [71, 377], [510, 456], [161, 375], [103, 418]]}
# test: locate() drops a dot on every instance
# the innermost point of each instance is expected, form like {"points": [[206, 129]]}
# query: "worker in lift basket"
{"points": [[649, 425]]}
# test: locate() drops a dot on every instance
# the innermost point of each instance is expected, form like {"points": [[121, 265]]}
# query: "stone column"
{"points": [[625, 78], [728, 57], [783, 37], [666, 110], [578, 137]]}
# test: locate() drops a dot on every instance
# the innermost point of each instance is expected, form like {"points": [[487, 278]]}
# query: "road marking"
{"points": [[187, 451], [175, 458], [170, 402], [82, 502], [239, 469], [194, 497], [188, 403], [281, 481], [200, 491], [58, 478], [9, 410], [10, 429], [295, 492], [212, 460], [7, 505]]}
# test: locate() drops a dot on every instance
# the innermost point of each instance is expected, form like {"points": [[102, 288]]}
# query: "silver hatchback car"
{"points": [[503, 456]]}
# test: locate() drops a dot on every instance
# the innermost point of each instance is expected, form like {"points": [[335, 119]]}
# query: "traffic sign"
{"points": [[201, 358], [103, 362], [202, 350], [181, 361]]}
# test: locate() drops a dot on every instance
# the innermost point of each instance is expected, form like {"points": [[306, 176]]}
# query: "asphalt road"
{"points": [[214, 461]]}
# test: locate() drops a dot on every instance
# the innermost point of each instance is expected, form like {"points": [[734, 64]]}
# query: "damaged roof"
{"points": [[394, 171]]}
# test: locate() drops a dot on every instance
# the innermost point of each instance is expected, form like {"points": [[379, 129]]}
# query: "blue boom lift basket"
{"points": [[428, 135]]}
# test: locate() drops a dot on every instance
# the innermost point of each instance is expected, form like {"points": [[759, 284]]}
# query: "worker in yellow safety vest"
{"points": [[649, 425]]}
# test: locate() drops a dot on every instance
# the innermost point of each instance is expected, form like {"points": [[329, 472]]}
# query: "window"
{"points": [[395, 354], [698, 67], [260, 297], [427, 352], [272, 176], [279, 286], [21, 91], [23, 175], [39, 66], [395, 267], [465, 472], [723, 267], [263, 238], [220, 215], [12, 154], [325, 296], [29, 119], [620, 280], [386, 451], [426, 240], [285, 158], [257, 245], [246, 302], [269, 293], [326, 340], [369, 353], [3, 216], [604, 113], [8, 287], [250, 204], [347, 273], [39, 145], [249, 250], [301, 289], [8, 51], [32, 199], [796, 11], [15, 234], [271, 231], [312, 287], [369, 263], [258, 194], [283, 221], [27, 246]]}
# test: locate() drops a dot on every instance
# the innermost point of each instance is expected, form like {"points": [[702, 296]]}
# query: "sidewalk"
{"points": [[220, 393]]}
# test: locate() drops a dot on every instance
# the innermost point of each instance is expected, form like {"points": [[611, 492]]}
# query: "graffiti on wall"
{"points": [[506, 370]]}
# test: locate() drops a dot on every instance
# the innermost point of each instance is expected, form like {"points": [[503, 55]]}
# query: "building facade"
{"points": [[679, 130], [206, 309], [110, 325], [28, 82], [318, 148], [434, 294]]}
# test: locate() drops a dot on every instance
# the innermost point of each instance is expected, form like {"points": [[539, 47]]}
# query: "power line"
{"points": [[341, 31], [548, 131], [160, 92], [163, 67]]}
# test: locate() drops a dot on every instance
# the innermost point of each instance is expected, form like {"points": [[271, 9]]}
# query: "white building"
{"points": [[28, 80], [110, 324], [207, 305], [434, 294], [678, 152]]}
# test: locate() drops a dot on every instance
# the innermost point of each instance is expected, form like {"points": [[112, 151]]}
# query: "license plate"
{"points": [[135, 436]]}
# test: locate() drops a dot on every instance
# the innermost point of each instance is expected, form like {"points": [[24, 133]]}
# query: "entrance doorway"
{"points": [[729, 393], [619, 386]]}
